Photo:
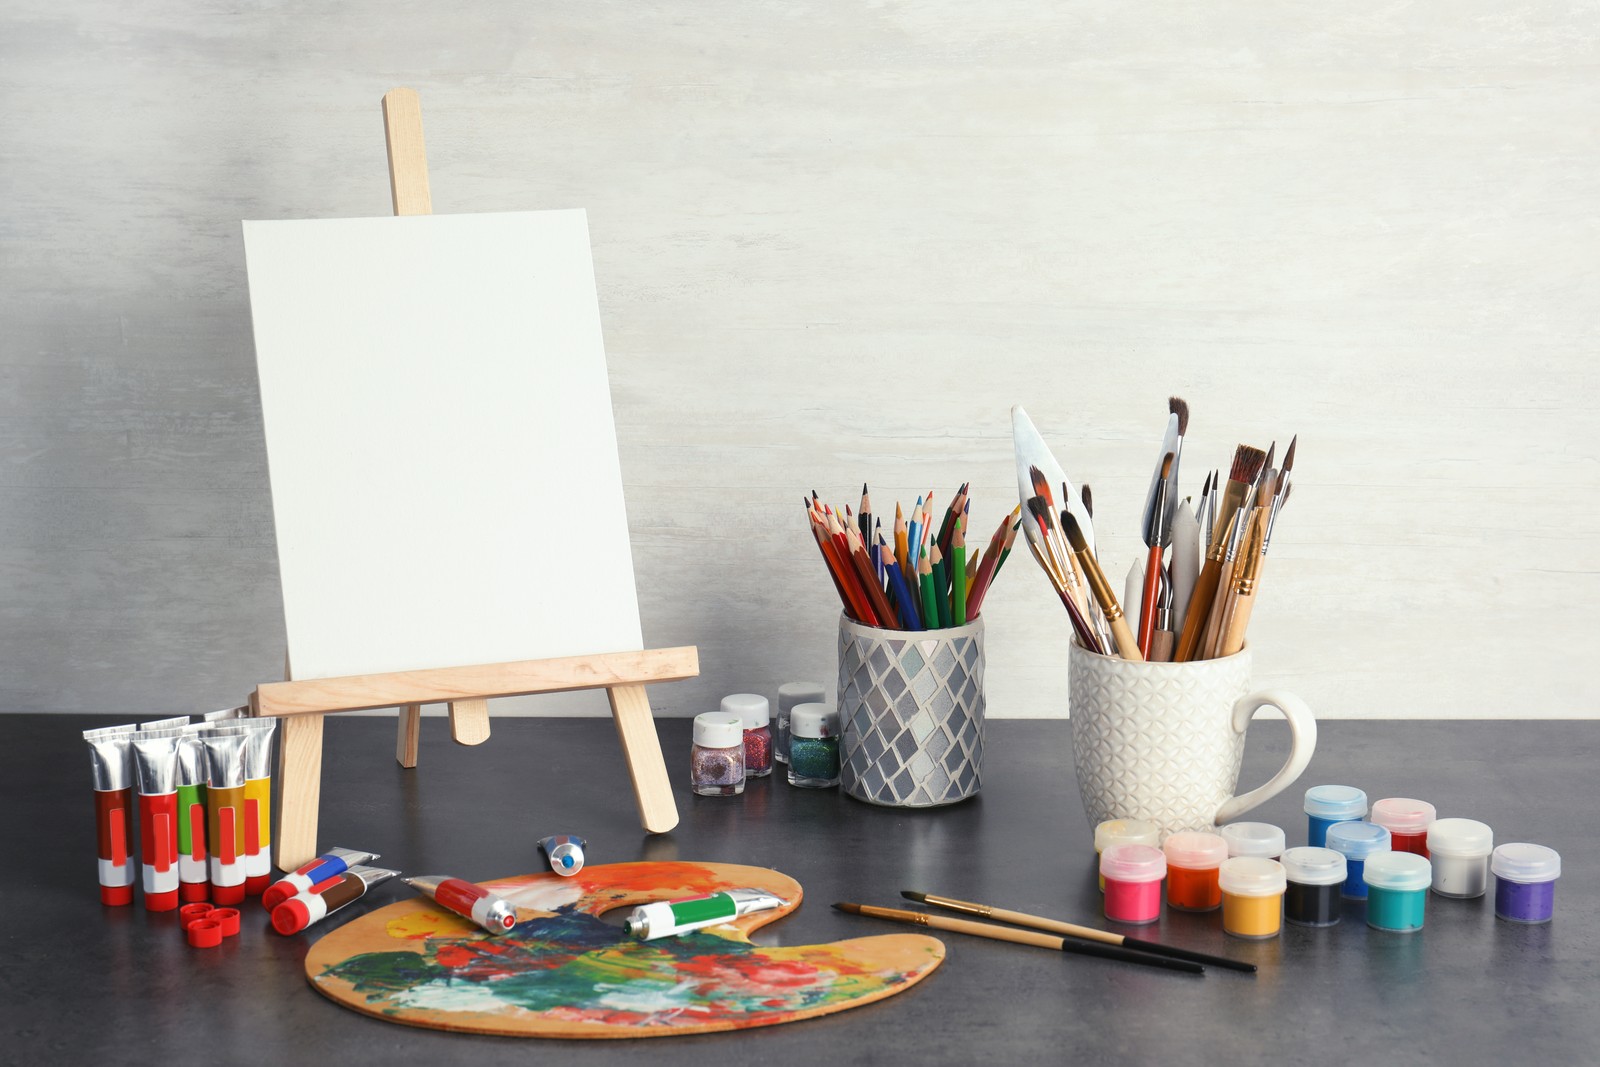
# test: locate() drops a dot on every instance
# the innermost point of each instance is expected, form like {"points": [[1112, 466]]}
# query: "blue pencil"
{"points": [[904, 601], [914, 536]]}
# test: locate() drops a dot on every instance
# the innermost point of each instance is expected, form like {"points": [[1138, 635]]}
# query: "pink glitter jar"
{"points": [[1133, 875]]}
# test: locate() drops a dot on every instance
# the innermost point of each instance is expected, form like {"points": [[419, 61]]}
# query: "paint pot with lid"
{"points": [[1123, 832], [1459, 849], [756, 715], [1314, 893], [1356, 841], [716, 760], [1407, 821], [1259, 839], [1326, 805], [1252, 897], [1397, 890], [1525, 882], [790, 696], [1133, 875], [1192, 862], [813, 746]]}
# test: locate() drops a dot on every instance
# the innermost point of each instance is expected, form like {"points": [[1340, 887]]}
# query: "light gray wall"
{"points": [[836, 242]]}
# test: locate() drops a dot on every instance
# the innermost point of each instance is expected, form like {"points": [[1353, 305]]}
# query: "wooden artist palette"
{"points": [[563, 972]]}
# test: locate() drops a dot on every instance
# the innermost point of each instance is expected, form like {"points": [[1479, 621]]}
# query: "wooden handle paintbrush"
{"points": [[1126, 644], [1156, 533], [1247, 463], [1022, 937]]}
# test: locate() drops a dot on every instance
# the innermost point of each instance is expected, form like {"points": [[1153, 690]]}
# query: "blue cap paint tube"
{"points": [[564, 853]]}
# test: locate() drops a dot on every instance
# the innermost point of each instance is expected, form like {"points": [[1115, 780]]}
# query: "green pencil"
{"points": [[930, 599], [941, 586], [958, 569]]}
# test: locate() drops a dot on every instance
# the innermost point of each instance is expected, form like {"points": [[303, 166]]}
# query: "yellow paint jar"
{"points": [[1123, 832], [1252, 897]]}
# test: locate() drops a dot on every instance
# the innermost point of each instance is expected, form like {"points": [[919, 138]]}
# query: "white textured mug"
{"points": [[1163, 741]]}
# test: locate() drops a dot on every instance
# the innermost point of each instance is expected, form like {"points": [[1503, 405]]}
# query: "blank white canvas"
{"points": [[445, 483]]}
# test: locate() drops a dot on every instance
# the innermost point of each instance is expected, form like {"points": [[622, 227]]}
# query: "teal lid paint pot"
{"points": [[1356, 841], [1329, 804], [1397, 890]]}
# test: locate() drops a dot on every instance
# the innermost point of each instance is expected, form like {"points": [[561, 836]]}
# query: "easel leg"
{"points": [[630, 709], [405, 745], [469, 722], [299, 789]]}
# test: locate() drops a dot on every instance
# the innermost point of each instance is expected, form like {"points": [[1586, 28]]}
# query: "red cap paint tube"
{"points": [[257, 845], [225, 814], [111, 760], [155, 764], [193, 884], [330, 864], [564, 853], [668, 918], [325, 898], [494, 914]]}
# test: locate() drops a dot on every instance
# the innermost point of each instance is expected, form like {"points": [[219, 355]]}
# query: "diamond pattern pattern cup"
{"points": [[1163, 741], [911, 708]]}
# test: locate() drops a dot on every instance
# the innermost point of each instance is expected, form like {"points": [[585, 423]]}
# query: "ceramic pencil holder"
{"points": [[911, 712], [1163, 741]]}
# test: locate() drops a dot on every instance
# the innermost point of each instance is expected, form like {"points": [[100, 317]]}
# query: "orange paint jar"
{"points": [[1252, 897], [1193, 859]]}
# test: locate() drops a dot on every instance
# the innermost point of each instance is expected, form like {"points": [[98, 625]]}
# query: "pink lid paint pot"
{"points": [[1133, 875], [1123, 832], [1407, 821]]}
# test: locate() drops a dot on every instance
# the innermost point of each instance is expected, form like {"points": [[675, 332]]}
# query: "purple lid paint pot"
{"points": [[1254, 839], [1460, 851], [1525, 882]]}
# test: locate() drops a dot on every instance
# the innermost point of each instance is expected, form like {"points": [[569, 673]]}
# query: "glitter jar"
{"points": [[1123, 832], [790, 696], [716, 760], [1315, 879], [1253, 839], [1525, 882], [1192, 862], [1356, 841], [1132, 875], [1459, 849], [1397, 890], [1329, 804], [756, 714], [1407, 821], [1252, 897], [813, 746]]}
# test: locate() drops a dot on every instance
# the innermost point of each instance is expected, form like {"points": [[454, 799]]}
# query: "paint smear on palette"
{"points": [[563, 972]]}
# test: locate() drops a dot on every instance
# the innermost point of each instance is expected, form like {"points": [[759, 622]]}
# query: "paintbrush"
{"points": [[1205, 512], [1247, 462], [1022, 937], [1101, 589], [1211, 640], [1241, 597], [1161, 641], [1086, 933], [1080, 625], [1157, 532], [1097, 618]]}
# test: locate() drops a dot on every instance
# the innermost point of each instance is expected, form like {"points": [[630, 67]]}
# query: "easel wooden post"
{"points": [[301, 705]]}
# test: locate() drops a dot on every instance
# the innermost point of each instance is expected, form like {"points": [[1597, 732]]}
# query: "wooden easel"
{"points": [[301, 705]]}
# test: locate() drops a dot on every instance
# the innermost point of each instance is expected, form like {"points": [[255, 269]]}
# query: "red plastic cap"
{"points": [[276, 894], [193, 913], [161, 901], [228, 919], [205, 934], [291, 917], [194, 892], [227, 894], [116, 896], [256, 884]]}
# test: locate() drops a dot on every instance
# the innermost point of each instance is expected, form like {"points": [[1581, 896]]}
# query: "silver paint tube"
{"points": [[164, 724], [111, 761], [155, 762], [225, 815]]}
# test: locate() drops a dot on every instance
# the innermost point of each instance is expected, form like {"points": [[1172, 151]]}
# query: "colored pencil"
{"points": [[905, 603], [958, 576]]}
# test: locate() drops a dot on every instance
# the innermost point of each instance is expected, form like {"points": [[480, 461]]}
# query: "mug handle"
{"points": [[1302, 743]]}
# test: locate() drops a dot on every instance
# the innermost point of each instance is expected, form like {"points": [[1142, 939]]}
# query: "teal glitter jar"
{"points": [[1397, 890], [813, 746]]}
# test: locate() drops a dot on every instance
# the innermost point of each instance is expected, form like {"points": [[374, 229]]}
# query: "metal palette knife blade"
{"points": [[1033, 452]]}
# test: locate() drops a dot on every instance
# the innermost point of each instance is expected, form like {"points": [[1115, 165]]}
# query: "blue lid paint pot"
{"points": [[1254, 839], [1314, 893], [1459, 849], [1356, 841], [1329, 804], [1397, 890], [1525, 882]]}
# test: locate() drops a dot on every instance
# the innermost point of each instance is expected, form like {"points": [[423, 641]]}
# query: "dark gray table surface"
{"points": [[118, 985]]}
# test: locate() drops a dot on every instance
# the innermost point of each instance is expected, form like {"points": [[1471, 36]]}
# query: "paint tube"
{"points": [[155, 765], [225, 715], [111, 760], [193, 882], [330, 864], [495, 914], [257, 798], [164, 724], [325, 898], [668, 918], [564, 853], [225, 816]]}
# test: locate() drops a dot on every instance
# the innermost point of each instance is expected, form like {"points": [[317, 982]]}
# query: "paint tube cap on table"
{"points": [[1519, 861], [1314, 866], [1126, 831], [1460, 837], [751, 708], [205, 933], [1402, 815], [192, 913], [1335, 802], [1358, 840], [227, 894], [714, 729], [227, 918], [564, 853], [1397, 870], [1254, 839], [1252, 876], [116, 896]]}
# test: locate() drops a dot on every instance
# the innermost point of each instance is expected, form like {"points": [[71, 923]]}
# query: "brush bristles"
{"points": [[1087, 496], [1074, 533], [1166, 466], [1177, 405], [911, 894], [853, 909], [1247, 463], [1288, 457], [1041, 487]]}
